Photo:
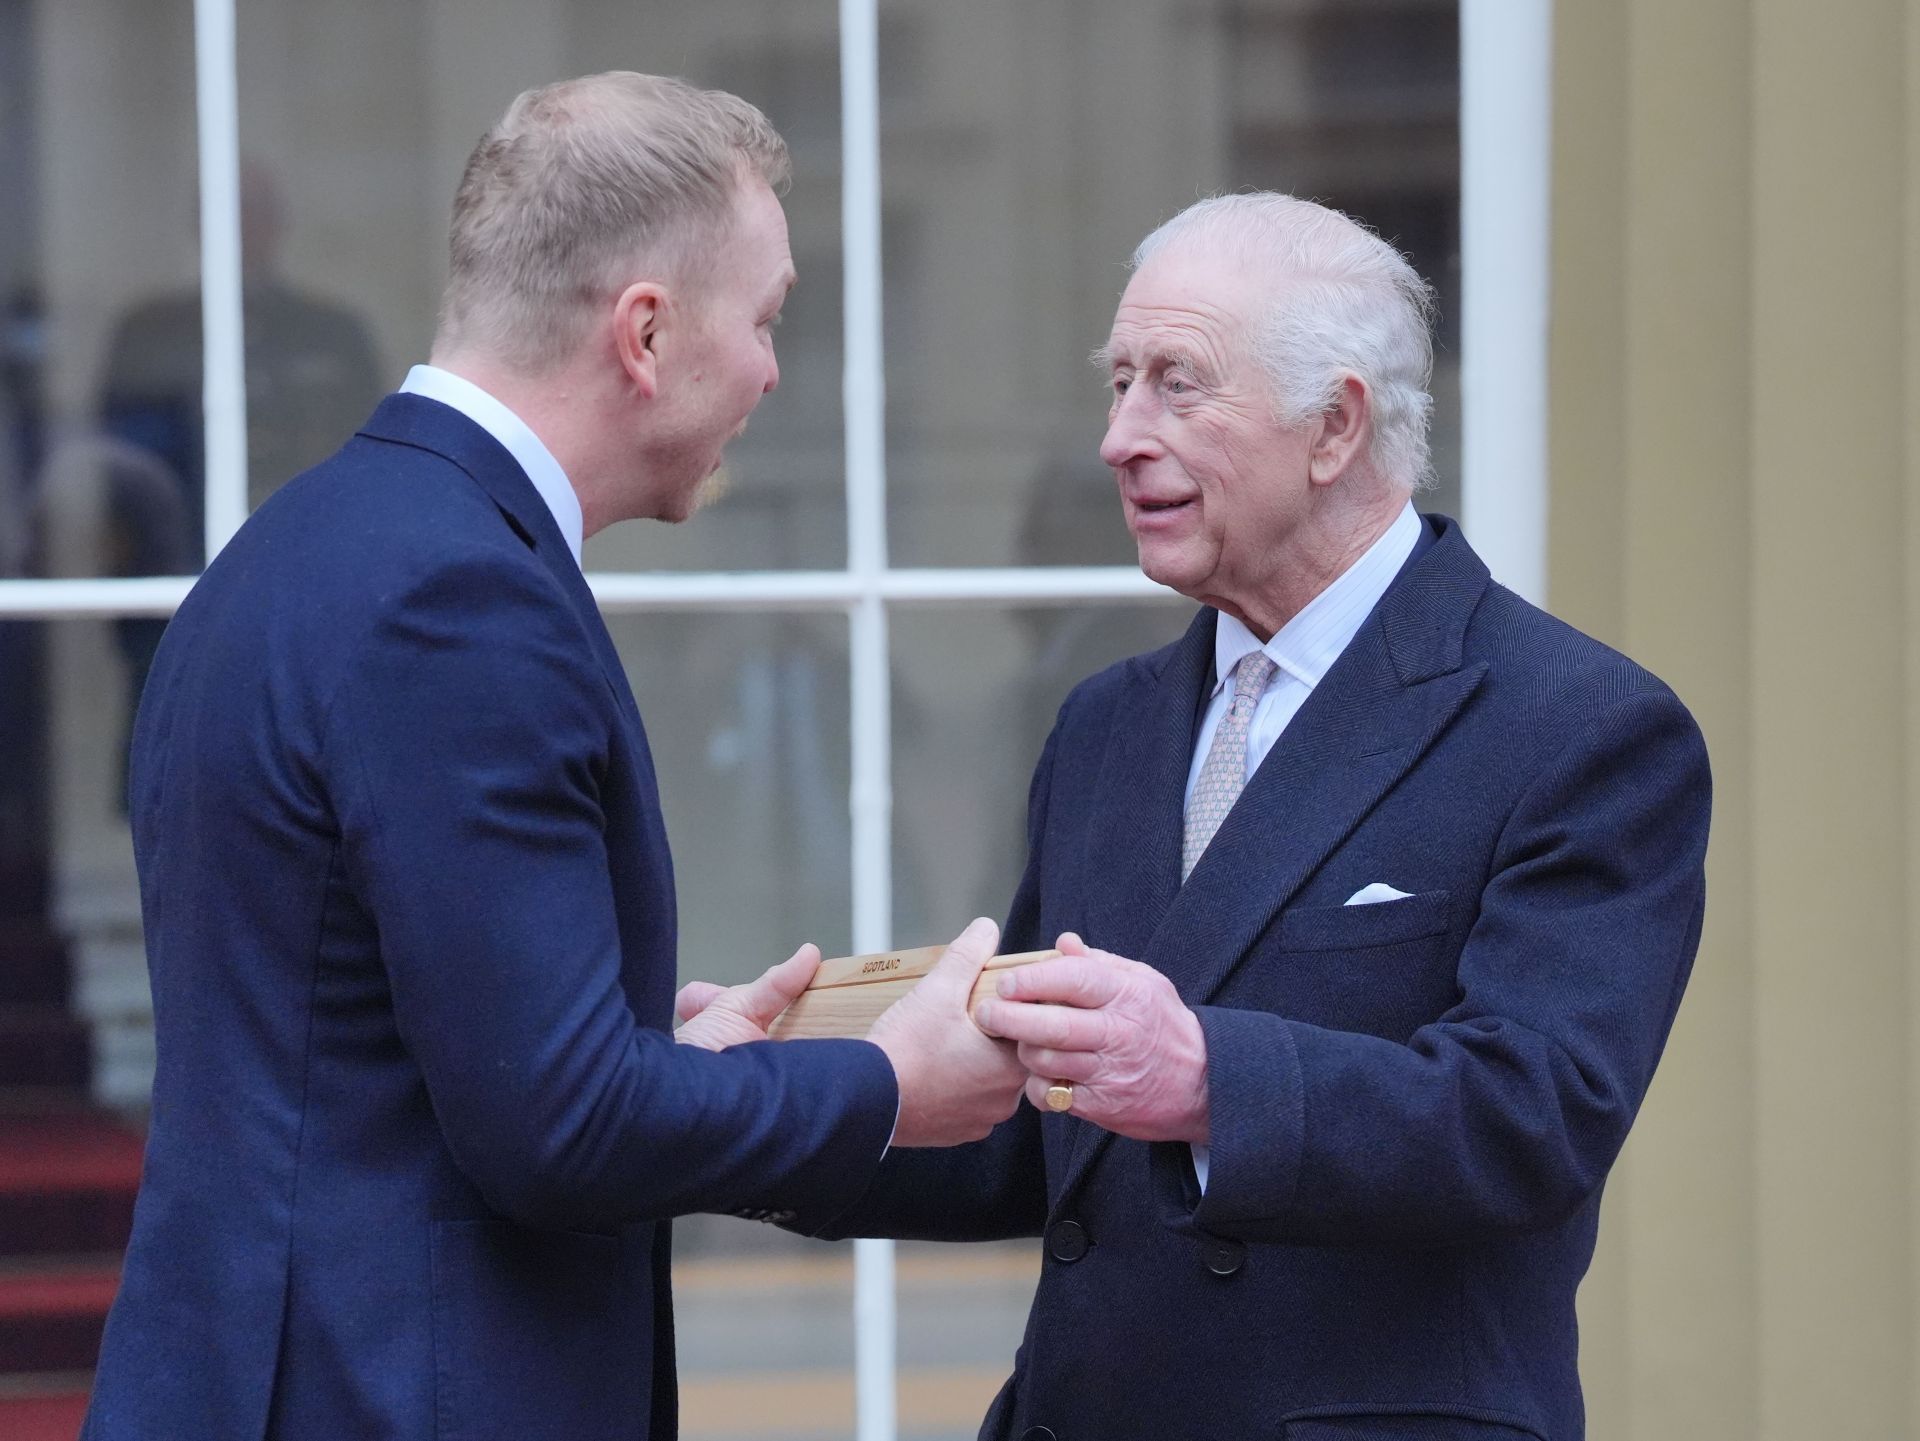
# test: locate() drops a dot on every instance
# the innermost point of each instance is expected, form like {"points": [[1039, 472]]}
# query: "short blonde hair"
{"points": [[581, 182]]}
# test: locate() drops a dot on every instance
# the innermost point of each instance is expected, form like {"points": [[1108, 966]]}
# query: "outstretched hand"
{"points": [[716, 1016]]}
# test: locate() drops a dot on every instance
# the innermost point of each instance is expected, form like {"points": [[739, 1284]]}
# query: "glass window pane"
{"points": [[1020, 174], [356, 118], [1368, 121], [747, 720], [975, 692], [100, 433]]}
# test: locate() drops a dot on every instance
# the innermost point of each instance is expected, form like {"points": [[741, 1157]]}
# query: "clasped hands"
{"points": [[1116, 1030]]}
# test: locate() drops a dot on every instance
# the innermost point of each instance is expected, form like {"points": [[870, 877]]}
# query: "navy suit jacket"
{"points": [[1414, 1103], [418, 1122]]}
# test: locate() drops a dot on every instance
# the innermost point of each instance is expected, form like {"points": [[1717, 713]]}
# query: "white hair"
{"points": [[1344, 300], [581, 182]]}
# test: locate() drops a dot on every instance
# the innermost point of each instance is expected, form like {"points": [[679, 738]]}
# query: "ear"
{"points": [[1341, 432], [639, 319]]}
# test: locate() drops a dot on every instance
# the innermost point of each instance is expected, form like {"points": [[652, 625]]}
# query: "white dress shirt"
{"points": [[512, 432], [1303, 650]]}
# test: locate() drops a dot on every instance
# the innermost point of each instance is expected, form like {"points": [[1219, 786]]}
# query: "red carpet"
{"points": [[68, 1174], [55, 1416], [68, 1291], [79, 1150], [67, 1181]]}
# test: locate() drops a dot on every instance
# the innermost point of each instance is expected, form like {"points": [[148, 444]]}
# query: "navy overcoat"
{"points": [[418, 1122], [1414, 1103]]}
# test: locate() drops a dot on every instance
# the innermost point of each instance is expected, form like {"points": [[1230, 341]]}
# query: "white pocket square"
{"points": [[1375, 893]]}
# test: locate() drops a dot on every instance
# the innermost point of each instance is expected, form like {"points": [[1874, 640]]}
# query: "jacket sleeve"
{"points": [[466, 750], [992, 1189], [1506, 1112]]}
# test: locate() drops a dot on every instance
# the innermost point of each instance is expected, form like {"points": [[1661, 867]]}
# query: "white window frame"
{"points": [[1506, 130], [1506, 61]]}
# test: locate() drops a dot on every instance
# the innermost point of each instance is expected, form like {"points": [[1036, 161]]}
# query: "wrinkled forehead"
{"points": [[1189, 298]]}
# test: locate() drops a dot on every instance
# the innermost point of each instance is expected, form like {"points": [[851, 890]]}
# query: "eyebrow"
{"points": [[1106, 358]]}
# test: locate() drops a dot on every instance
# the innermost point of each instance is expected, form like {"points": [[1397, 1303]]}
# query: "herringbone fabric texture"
{"points": [[1224, 775]]}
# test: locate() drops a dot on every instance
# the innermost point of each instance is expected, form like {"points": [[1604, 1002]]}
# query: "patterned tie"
{"points": [[1224, 775]]}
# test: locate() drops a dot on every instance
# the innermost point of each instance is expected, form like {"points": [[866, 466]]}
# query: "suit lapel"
{"points": [[1134, 856], [1380, 707], [1358, 733]]}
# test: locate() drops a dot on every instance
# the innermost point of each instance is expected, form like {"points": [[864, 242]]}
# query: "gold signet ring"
{"points": [[1060, 1096]]}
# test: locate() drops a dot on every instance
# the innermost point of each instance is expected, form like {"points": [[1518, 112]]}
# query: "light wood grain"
{"points": [[849, 992]]}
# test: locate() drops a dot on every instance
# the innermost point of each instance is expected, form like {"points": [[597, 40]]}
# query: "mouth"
{"points": [[1150, 510]]}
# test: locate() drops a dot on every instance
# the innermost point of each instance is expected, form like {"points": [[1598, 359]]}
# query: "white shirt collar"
{"points": [[512, 432], [1307, 646]]}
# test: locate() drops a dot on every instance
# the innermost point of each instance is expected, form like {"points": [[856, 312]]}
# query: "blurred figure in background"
{"points": [[312, 374], [312, 370]]}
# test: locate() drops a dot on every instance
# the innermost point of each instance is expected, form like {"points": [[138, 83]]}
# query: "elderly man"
{"points": [[419, 1125], [1411, 877]]}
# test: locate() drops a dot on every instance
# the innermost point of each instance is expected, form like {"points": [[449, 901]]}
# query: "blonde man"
{"points": [[419, 1124]]}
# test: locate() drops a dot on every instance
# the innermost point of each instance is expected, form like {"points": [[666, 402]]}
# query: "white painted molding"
{"points": [[217, 88], [1506, 115]]}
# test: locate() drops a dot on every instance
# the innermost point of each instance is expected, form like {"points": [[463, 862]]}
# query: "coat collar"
{"points": [[1383, 703], [439, 429]]}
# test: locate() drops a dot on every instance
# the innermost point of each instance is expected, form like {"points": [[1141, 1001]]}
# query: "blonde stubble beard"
{"points": [[714, 488], [718, 485]]}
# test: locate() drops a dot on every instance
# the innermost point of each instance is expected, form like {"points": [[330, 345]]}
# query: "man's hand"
{"points": [[1117, 1030], [716, 1016], [956, 1084]]}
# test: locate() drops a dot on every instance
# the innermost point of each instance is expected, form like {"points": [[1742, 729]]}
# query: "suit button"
{"points": [[1066, 1241], [1224, 1257], [1038, 1433]]}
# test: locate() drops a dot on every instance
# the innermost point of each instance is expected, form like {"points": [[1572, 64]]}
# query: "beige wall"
{"points": [[1735, 427]]}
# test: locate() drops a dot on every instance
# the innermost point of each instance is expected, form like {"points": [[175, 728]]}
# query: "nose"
{"points": [[1129, 432]]}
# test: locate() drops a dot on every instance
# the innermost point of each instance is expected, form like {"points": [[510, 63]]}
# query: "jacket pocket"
{"points": [[1438, 1423], [536, 1334], [1385, 970], [1384, 923]]}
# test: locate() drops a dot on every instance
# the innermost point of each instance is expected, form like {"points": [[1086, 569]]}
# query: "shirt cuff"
{"points": [[1201, 1155]]}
